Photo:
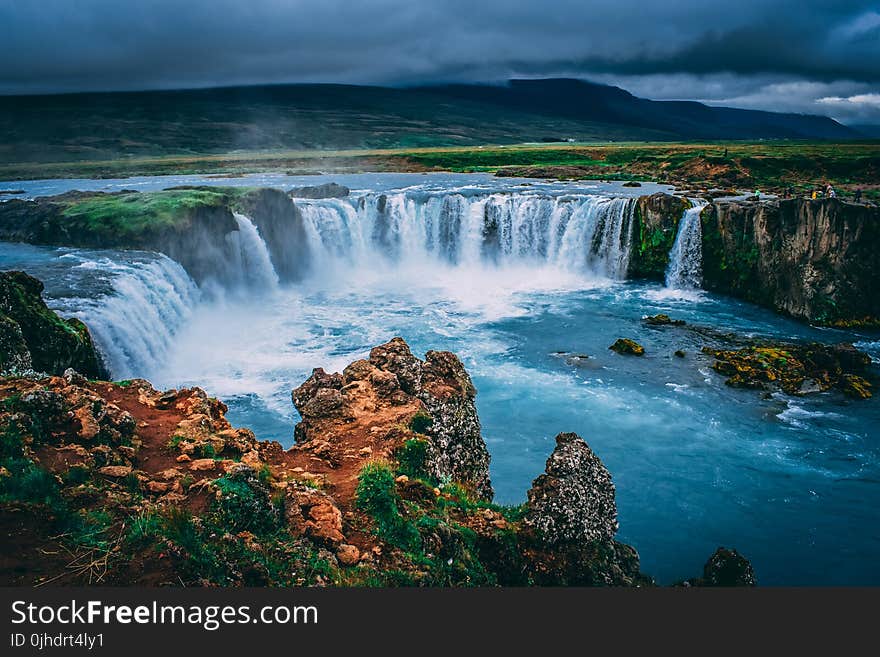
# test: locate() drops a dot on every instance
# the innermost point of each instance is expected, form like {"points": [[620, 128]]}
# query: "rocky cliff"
{"points": [[191, 225], [281, 225], [814, 260], [32, 337]]}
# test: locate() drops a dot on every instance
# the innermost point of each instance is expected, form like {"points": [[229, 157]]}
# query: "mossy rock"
{"points": [[855, 386], [628, 347], [662, 320], [32, 334]]}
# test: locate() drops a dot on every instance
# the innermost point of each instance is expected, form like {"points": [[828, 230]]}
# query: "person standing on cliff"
{"points": [[858, 196]]}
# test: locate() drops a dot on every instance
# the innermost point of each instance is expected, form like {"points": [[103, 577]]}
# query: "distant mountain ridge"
{"points": [[583, 100], [96, 126]]}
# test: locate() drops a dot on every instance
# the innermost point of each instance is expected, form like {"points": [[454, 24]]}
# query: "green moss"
{"points": [[421, 422], [76, 475], [411, 457], [131, 214], [627, 346]]}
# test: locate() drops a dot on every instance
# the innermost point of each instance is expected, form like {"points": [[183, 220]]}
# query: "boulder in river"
{"points": [[325, 190], [627, 346]]}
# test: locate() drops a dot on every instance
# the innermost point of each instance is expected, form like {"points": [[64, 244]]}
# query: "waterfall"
{"points": [[685, 269], [133, 326], [250, 256], [143, 299], [581, 234]]}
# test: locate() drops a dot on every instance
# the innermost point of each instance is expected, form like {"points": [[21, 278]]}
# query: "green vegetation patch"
{"points": [[132, 214], [377, 497]]}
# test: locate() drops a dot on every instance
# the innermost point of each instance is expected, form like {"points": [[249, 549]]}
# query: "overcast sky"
{"points": [[817, 56]]}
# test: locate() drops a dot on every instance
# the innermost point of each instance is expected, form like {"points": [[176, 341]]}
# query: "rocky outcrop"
{"points": [[433, 398], [388, 484], [627, 347], [33, 337], [571, 519], [325, 190], [662, 320], [816, 260], [812, 259], [796, 369], [655, 226], [725, 568], [574, 499]]}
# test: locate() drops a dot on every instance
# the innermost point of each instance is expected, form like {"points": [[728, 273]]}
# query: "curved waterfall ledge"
{"points": [[810, 259]]}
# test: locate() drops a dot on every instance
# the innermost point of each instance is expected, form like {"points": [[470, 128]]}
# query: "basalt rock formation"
{"points": [[281, 225], [725, 568], [325, 190], [32, 337], [815, 260], [812, 259]]}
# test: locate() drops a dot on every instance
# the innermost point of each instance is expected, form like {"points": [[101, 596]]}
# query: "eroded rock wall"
{"points": [[816, 260]]}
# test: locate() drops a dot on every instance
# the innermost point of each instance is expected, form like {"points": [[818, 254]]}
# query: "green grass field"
{"points": [[770, 165]]}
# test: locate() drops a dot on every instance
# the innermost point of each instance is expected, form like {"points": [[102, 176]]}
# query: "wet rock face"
{"points": [[281, 226], [33, 337], [796, 369], [573, 501], [656, 225], [812, 259], [393, 386]]}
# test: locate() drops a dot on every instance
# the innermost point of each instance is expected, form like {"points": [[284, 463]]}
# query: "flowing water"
{"points": [[250, 256], [526, 284], [685, 270]]}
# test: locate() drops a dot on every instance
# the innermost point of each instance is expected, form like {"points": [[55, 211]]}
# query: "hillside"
{"points": [[101, 126]]}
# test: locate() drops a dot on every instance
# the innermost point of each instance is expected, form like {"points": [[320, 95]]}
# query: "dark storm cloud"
{"points": [[753, 45]]}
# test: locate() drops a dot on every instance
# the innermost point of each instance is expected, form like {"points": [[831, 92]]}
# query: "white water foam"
{"points": [[135, 325], [250, 256], [584, 234]]}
